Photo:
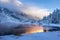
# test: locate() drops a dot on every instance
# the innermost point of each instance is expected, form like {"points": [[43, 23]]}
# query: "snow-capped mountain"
{"points": [[10, 18], [53, 18]]}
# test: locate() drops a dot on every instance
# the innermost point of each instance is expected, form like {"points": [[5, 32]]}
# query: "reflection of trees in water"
{"points": [[21, 29]]}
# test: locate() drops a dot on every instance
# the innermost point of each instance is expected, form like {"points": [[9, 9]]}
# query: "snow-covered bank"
{"points": [[51, 25], [36, 36]]}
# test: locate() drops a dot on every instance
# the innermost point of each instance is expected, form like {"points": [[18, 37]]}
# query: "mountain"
{"points": [[11, 17], [53, 18]]}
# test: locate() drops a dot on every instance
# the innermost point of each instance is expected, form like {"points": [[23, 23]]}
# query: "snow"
{"points": [[36, 36]]}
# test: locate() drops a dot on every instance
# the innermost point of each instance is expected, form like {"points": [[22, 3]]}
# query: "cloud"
{"points": [[16, 5], [11, 4], [4, 1], [36, 11]]}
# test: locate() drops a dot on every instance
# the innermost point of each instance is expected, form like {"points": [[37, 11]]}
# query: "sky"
{"points": [[49, 4]]}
